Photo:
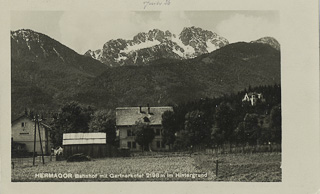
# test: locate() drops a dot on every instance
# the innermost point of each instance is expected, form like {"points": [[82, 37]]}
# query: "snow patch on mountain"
{"points": [[120, 58], [178, 52], [94, 54], [141, 45], [188, 50], [268, 40], [146, 47], [58, 54], [211, 47]]}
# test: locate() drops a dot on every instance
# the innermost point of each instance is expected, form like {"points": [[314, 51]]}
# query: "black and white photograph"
{"points": [[160, 96], [204, 97]]}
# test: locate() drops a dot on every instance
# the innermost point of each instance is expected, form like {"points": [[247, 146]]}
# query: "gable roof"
{"points": [[14, 120], [131, 115], [84, 138], [26, 116]]}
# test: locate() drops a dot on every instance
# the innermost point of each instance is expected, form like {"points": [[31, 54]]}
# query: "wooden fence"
{"points": [[94, 150], [244, 149], [27, 162], [226, 149]]}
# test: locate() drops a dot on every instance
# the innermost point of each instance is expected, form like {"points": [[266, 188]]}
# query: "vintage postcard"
{"points": [[161, 93]]}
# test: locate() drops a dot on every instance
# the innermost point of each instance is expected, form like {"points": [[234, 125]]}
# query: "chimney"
{"points": [[148, 108]]}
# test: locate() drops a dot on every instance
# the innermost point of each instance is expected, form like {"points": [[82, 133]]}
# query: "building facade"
{"points": [[90, 144], [22, 133], [253, 98], [128, 117]]}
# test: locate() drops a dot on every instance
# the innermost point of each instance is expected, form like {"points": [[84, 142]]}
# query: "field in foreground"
{"points": [[259, 167]]}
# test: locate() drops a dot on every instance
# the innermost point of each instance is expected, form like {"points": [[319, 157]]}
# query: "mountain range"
{"points": [[43, 71], [147, 47], [156, 67]]}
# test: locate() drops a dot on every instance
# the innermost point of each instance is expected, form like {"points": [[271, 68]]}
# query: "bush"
{"points": [[124, 152], [78, 158]]}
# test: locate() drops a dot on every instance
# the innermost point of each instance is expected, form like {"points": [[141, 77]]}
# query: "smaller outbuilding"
{"points": [[91, 144]]}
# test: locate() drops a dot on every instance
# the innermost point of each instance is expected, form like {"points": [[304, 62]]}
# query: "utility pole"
{"points": [[36, 122], [217, 164], [40, 140], [34, 140]]}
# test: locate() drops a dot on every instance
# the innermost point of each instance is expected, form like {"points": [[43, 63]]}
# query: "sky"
{"points": [[82, 31]]}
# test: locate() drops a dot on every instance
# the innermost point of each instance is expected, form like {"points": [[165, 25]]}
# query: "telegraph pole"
{"points": [[34, 139], [40, 140]]}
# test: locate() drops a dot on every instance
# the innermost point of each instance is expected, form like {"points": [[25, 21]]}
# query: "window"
{"points": [[163, 145], [158, 144], [146, 119], [23, 124], [157, 132], [134, 145], [130, 132]]}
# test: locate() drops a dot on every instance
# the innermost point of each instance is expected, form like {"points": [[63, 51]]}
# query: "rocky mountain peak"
{"points": [[28, 43], [152, 35], [46, 73], [146, 47], [268, 40], [24, 33], [26, 36], [202, 41], [40, 48]]}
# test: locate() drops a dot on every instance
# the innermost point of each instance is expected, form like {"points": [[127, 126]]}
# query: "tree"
{"points": [[225, 122], [72, 118], [251, 130], [239, 133], [144, 135], [275, 123], [182, 141], [169, 126], [198, 127], [104, 121], [217, 136]]}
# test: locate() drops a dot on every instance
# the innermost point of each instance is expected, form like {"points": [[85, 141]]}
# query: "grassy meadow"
{"points": [[256, 167]]}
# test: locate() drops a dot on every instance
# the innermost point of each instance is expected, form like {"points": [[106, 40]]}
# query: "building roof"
{"points": [[14, 120], [26, 116], [131, 115], [84, 138], [253, 93]]}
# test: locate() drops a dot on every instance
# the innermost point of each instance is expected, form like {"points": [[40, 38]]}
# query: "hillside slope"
{"points": [[229, 69], [41, 66], [46, 74]]}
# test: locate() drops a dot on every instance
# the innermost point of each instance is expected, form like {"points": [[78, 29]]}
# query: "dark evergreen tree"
{"points": [[198, 127], [72, 118], [225, 121], [252, 131], [144, 135], [182, 141], [104, 121], [275, 123], [217, 136], [170, 127]]}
